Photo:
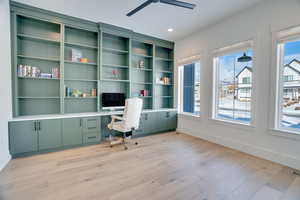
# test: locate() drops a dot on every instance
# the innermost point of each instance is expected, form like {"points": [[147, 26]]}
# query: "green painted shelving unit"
{"points": [[45, 40], [142, 75], [164, 67], [37, 44], [81, 76]]}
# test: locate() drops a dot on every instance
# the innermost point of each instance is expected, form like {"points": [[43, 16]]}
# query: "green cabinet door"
{"points": [[50, 135], [91, 130], [91, 124], [160, 121], [165, 121], [150, 123], [72, 131], [171, 120], [22, 137]]}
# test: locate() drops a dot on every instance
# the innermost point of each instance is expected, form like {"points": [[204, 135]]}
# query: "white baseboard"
{"points": [[4, 161], [267, 154]]}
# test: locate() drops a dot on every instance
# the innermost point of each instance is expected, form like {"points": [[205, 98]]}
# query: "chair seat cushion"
{"points": [[118, 126]]}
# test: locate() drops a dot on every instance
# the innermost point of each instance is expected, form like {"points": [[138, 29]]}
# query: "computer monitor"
{"points": [[112, 101]]}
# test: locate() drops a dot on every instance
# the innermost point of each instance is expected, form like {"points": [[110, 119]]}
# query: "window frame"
{"points": [[235, 48], [279, 93], [181, 87]]}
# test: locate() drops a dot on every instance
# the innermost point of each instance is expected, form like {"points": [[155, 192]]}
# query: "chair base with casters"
{"points": [[128, 122], [121, 140]]}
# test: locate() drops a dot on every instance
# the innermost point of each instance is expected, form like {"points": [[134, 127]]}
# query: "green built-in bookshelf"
{"points": [[37, 44], [53, 79], [142, 72], [81, 76], [164, 67]]}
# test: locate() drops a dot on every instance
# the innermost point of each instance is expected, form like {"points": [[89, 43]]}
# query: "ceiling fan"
{"points": [[170, 2]]}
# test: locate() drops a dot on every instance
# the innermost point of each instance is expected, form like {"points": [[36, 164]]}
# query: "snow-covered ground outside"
{"points": [[242, 112], [291, 116]]}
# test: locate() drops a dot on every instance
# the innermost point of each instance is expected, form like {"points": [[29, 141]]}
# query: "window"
{"points": [[246, 80], [289, 85], [287, 78], [244, 90], [189, 88], [233, 86]]}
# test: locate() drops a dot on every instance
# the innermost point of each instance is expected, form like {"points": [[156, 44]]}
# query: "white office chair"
{"points": [[128, 122]]}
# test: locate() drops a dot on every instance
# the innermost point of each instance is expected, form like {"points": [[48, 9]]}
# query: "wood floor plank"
{"points": [[293, 192], [165, 166], [283, 179], [267, 193]]}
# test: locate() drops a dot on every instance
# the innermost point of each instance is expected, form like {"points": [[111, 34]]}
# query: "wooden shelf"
{"points": [[83, 80], [115, 66], [162, 71], [38, 97], [142, 69], [163, 59], [143, 83], [36, 38], [115, 80], [38, 78], [80, 45], [80, 98], [118, 51], [39, 58], [80, 63], [164, 84], [165, 96], [142, 55], [145, 96]]}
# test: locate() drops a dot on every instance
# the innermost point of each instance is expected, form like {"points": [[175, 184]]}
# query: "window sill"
{"points": [[233, 124], [290, 134]]}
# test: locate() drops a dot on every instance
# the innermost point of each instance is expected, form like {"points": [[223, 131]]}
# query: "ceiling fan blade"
{"points": [[179, 3], [139, 8]]}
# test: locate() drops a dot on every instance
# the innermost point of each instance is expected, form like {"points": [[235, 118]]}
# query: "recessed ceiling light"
{"points": [[170, 30]]}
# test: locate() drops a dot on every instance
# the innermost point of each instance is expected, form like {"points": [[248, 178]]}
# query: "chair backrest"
{"points": [[132, 112]]}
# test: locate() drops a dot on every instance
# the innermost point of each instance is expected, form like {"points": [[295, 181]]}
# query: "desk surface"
{"points": [[74, 115]]}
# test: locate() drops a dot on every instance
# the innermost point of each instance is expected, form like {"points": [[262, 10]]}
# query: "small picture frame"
{"points": [[141, 64]]}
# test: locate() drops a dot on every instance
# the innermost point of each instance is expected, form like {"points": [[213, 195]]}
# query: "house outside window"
{"points": [[189, 88], [233, 86], [288, 92]]}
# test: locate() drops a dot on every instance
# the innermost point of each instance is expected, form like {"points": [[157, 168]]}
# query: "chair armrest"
{"points": [[117, 117]]}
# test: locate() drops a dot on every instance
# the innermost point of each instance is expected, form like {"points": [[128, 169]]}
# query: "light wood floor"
{"points": [[165, 166]]}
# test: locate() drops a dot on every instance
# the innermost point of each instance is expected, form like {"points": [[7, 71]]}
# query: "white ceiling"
{"points": [[153, 20]]}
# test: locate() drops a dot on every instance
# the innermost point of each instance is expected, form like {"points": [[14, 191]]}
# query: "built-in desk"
{"points": [[43, 133], [76, 115]]}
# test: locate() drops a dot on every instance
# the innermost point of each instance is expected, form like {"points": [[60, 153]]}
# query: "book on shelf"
{"points": [[144, 93], [163, 80], [76, 55], [28, 71], [75, 93]]}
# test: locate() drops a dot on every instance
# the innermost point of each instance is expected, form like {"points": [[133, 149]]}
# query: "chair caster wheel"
{"points": [[136, 143]]}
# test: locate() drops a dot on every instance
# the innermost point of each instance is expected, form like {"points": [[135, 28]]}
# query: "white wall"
{"points": [[257, 22], [5, 81]]}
